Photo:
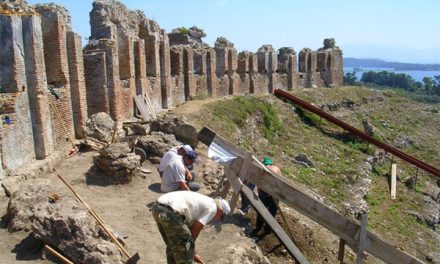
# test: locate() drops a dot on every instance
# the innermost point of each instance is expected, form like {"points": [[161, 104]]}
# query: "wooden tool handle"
{"points": [[58, 255]]}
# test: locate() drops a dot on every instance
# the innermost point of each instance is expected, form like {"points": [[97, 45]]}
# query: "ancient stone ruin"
{"points": [[50, 84]]}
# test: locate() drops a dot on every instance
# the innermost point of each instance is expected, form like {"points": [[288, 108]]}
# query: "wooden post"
{"points": [[393, 181], [362, 238], [341, 250], [417, 175]]}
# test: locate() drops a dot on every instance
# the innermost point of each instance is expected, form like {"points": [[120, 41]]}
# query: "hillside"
{"points": [[398, 66], [343, 171]]}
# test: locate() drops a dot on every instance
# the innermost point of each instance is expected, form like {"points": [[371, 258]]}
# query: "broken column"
{"points": [[211, 70], [287, 64], [330, 63], [222, 47], [243, 84], [267, 64]]}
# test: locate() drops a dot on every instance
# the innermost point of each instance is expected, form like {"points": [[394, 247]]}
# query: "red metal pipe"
{"points": [[418, 163]]}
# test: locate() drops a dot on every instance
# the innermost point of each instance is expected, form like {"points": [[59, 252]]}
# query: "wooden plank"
{"points": [[235, 182], [341, 251], [362, 239], [393, 180], [141, 106], [293, 196], [149, 105], [276, 228], [236, 187]]}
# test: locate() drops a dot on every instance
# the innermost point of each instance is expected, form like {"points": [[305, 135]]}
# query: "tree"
{"points": [[350, 78]]}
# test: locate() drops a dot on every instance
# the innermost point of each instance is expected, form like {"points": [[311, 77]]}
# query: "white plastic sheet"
{"points": [[219, 154]]}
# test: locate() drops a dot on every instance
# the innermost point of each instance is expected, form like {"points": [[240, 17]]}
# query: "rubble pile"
{"points": [[117, 162]]}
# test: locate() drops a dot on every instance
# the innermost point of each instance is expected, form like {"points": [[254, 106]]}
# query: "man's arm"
{"points": [[195, 229], [183, 186]]}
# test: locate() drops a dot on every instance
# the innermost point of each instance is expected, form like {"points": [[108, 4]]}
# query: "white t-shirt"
{"points": [[165, 160], [194, 206], [173, 174]]}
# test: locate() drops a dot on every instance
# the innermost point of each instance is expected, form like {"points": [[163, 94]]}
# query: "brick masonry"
{"points": [[43, 64]]}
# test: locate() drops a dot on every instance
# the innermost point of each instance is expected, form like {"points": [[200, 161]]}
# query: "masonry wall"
{"points": [[17, 144]]}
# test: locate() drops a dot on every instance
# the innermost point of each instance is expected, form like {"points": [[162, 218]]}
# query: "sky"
{"points": [[393, 30]]}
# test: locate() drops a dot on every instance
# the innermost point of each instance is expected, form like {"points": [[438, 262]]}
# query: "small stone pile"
{"points": [[117, 162]]}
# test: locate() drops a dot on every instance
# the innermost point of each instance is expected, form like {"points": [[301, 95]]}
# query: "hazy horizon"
{"points": [[392, 30]]}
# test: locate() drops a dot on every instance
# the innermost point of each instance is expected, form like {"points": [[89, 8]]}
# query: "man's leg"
{"points": [[193, 186], [181, 244], [273, 209], [158, 219]]}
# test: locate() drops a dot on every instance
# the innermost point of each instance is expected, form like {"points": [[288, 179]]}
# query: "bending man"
{"points": [[180, 216]]}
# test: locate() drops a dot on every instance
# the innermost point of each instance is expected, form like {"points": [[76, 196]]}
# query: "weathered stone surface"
{"points": [[156, 144], [222, 43], [187, 134], [140, 129], [370, 130], [68, 226], [24, 202], [117, 162], [211, 173], [191, 36], [12, 184], [166, 124], [100, 126]]}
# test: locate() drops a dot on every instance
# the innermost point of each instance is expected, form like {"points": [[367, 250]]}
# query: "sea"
{"points": [[416, 75]]}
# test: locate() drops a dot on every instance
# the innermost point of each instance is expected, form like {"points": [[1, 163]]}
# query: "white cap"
{"points": [[224, 206], [187, 148]]}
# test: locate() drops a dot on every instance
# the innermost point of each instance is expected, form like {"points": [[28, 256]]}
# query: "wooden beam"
{"points": [[293, 196], [140, 104], [276, 228]]}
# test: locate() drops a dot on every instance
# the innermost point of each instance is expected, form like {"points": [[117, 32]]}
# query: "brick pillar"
{"points": [[272, 67], [37, 87], [12, 65], [77, 83], [113, 80], [336, 67], [232, 68], [253, 70], [211, 72], [165, 71], [291, 71], [176, 59], [57, 71], [140, 66], [188, 73]]}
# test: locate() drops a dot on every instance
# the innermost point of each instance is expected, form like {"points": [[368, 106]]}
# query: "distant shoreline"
{"points": [[396, 66]]}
